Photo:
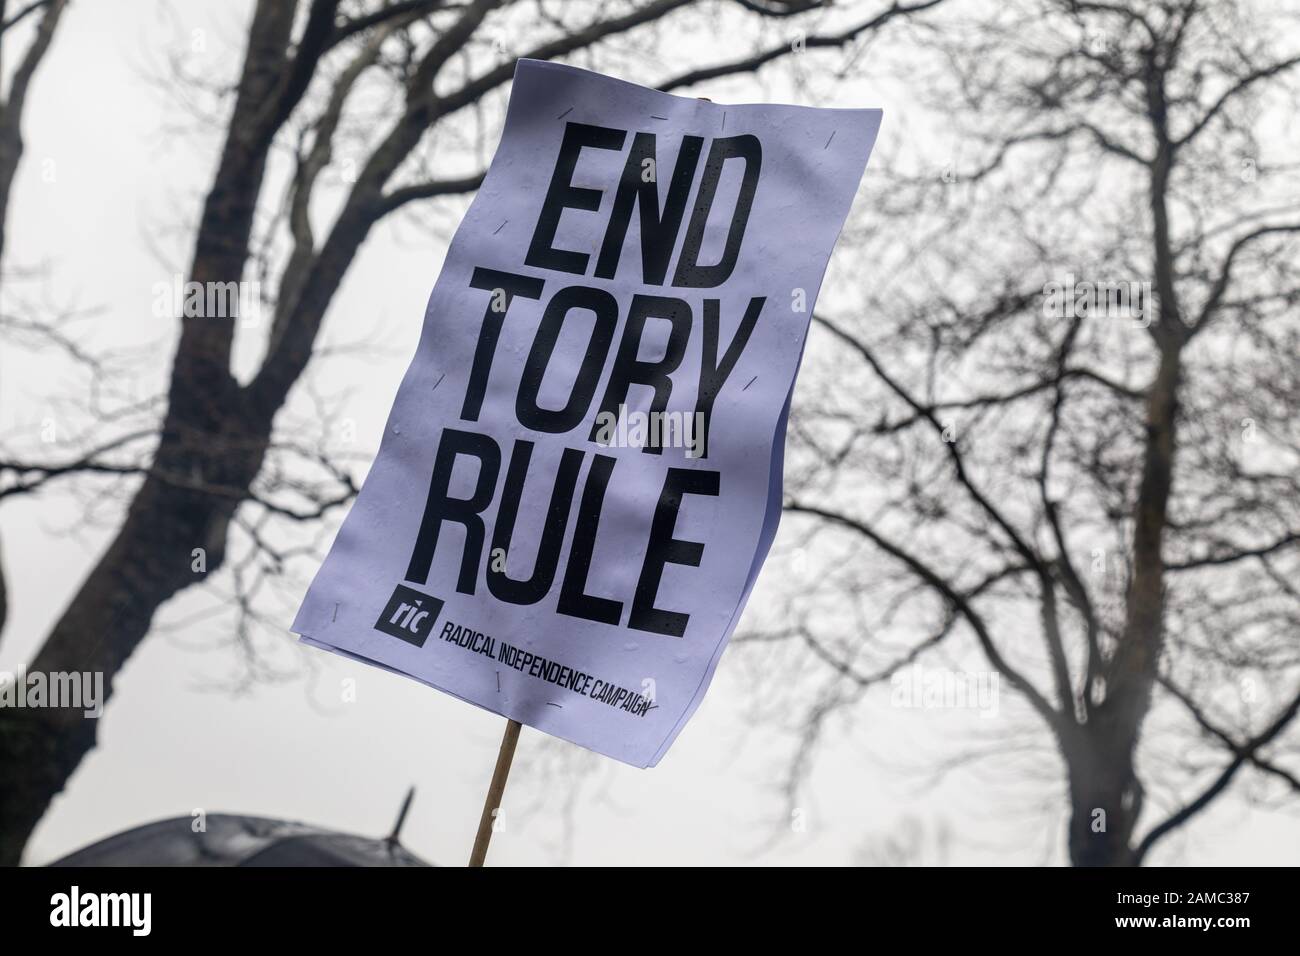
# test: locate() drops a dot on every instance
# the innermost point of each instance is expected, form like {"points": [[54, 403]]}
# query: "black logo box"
{"points": [[409, 615]]}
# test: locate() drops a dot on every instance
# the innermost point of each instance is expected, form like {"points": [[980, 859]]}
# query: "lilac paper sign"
{"points": [[581, 473]]}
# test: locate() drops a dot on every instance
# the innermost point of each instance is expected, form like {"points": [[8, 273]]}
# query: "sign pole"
{"points": [[493, 802]]}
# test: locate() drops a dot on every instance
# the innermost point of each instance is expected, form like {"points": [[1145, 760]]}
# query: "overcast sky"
{"points": [[167, 746]]}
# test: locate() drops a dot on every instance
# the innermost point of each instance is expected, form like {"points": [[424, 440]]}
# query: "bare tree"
{"points": [[432, 66], [46, 14], [12, 101], [1057, 426]]}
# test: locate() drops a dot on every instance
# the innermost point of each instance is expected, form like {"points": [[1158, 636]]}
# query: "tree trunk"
{"points": [[211, 448], [151, 559], [1105, 793], [1105, 797]]}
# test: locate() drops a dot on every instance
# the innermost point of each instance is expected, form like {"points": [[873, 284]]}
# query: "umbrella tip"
{"points": [[401, 815]]}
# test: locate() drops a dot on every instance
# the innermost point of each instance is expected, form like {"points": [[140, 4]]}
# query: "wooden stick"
{"points": [[495, 790]]}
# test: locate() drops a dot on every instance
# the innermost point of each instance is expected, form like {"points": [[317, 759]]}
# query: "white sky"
{"points": [[167, 747]]}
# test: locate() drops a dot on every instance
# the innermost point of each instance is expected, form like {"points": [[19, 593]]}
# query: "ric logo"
{"points": [[409, 615]]}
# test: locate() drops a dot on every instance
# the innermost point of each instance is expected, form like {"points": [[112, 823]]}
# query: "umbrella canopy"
{"points": [[229, 839]]}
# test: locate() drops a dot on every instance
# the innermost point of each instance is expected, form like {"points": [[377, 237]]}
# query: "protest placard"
{"points": [[581, 473]]}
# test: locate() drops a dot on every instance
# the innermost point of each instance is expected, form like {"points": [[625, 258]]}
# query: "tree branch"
{"points": [[1242, 755], [951, 596]]}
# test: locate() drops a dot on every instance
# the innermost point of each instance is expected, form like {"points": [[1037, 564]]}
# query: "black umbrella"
{"points": [[230, 839]]}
